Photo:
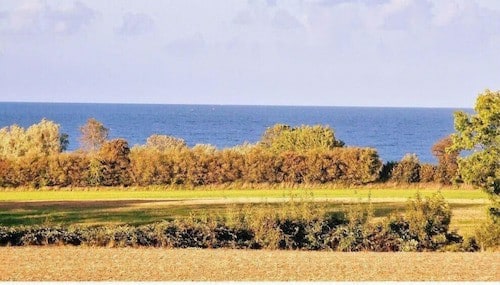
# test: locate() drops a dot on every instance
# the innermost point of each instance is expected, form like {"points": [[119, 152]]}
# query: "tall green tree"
{"points": [[479, 134]]}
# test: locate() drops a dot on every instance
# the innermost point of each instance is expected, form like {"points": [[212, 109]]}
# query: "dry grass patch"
{"points": [[129, 264]]}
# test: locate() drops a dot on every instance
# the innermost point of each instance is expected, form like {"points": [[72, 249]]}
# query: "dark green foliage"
{"points": [[480, 134], [64, 142], [37, 235], [386, 171]]}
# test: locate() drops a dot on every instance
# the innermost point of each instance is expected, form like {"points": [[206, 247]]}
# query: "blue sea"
{"points": [[392, 131]]}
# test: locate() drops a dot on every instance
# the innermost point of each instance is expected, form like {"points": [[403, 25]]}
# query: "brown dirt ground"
{"points": [[154, 264]]}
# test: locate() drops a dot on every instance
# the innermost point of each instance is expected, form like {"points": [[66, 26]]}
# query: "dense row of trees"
{"points": [[305, 154], [166, 160]]}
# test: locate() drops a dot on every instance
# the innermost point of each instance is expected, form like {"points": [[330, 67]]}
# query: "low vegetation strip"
{"points": [[425, 226], [97, 193], [152, 264]]}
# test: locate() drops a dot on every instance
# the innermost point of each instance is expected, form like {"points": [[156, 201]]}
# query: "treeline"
{"points": [[293, 225], [293, 155]]}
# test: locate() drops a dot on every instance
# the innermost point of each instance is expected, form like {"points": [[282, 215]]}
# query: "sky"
{"points": [[397, 53]]}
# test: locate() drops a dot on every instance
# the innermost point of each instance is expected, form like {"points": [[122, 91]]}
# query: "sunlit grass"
{"points": [[159, 193], [142, 205], [466, 217]]}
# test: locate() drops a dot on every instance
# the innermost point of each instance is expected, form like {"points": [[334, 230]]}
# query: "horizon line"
{"points": [[229, 104]]}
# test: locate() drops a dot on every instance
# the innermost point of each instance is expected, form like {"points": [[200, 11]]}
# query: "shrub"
{"points": [[426, 222], [488, 234], [164, 142], [386, 171], [280, 138], [427, 173], [407, 170]]}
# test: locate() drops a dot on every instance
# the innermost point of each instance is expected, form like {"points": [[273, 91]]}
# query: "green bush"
{"points": [[426, 221], [281, 138]]}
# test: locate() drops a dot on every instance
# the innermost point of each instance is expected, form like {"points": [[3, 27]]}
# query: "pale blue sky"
{"points": [[297, 52]]}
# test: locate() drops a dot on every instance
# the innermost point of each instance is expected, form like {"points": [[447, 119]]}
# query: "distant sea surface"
{"points": [[392, 131]]}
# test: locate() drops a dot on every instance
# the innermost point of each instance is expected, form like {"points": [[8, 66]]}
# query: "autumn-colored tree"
{"points": [[93, 135], [447, 168], [115, 163]]}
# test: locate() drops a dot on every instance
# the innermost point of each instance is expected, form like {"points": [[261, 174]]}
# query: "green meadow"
{"points": [[136, 206]]}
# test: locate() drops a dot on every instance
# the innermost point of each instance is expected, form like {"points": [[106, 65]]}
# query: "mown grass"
{"points": [[113, 193]]}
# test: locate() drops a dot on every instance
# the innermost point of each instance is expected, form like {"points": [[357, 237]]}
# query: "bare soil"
{"points": [[62, 263]]}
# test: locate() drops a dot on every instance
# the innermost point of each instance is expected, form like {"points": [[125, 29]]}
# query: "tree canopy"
{"points": [[479, 134], [43, 138], [281, 138]]}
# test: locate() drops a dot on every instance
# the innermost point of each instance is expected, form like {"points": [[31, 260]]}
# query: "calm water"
{"points": [[393, 131]]}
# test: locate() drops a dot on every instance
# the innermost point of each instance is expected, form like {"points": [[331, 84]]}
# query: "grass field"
{"points": [[204, 193], [136, 206], [152, 264]]}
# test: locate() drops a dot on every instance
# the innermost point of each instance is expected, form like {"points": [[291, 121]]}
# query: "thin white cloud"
{"points": [[135, 24], [38, 17]]}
